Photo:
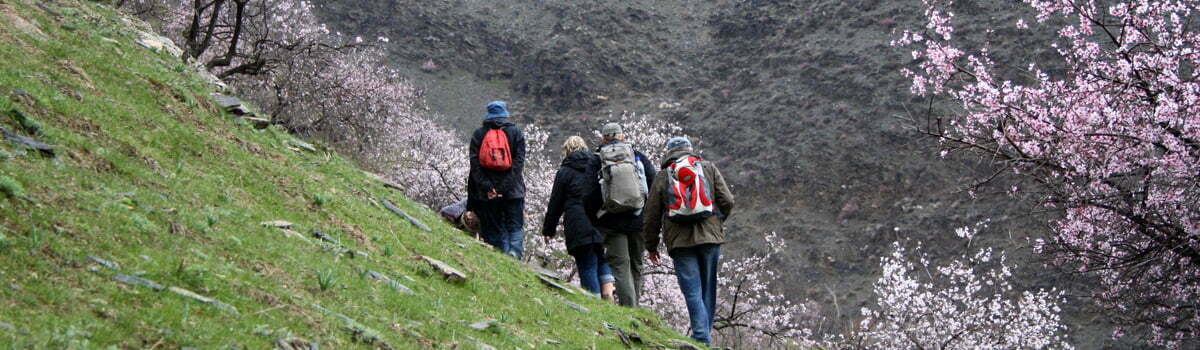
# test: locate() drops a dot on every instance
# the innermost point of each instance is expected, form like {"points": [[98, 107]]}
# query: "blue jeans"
{"points": [[502, 224], [593, 271], [696, 268]]}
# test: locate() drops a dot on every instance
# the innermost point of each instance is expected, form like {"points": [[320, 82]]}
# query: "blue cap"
{"points": [[496, 109], [677, 143]]}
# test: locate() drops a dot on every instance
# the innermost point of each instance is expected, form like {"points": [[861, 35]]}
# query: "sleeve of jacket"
{"points": [[556, 205], [724, 196], [652, 213], [518, 150], [651, 170], [473, 175], [594, 200]]}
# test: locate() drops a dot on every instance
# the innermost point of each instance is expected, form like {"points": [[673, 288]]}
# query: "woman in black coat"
{"points": [[573, 183]]}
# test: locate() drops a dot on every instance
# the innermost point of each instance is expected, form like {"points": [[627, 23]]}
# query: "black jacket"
{"points": [[630, 222], [511, 183], [572, 184]]}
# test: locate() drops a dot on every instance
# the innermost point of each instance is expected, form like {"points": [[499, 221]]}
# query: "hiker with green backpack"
{"points": [[625, 176], [496, 183]]}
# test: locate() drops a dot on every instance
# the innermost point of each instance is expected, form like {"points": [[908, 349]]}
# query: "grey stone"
{"points": [[324, 237], [295, 344], [303, 145], [8, 327], [226, 101], [138, 281], [483, 325], [360, 333], [277, 224], [576, 306], [628, 338], [484, 346], [391, 283], [15, 287], [203, 299], [48, 9], [22, 25], [384, 180], [451, 274], [682, 345], [198, 68], [546, 272], [357, 254], [414, 221], [26, 142], [480, 345], [232, 105], [109, 264], [258, 123], [297, 235], [159, 43], [551, 283], [31, 126], [145, 258]]}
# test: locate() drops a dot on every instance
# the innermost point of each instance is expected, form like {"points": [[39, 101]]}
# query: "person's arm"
{"points": [[651, 170], [652, 214], [594, 200], [724, 197], [473, 176], [518, 150], [555, 207]]}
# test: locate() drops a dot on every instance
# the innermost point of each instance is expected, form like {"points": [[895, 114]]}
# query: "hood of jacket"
{"points": [[498, 123], [578, 160], [671, 157]]}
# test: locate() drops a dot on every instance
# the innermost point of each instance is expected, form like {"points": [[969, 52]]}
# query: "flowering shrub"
{"points": [[1112, 140], [957, 306]]}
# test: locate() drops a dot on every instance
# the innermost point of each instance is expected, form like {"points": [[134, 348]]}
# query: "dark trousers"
{"points": [[624, 252], [502, 224], [696, 268], [592, 269]]}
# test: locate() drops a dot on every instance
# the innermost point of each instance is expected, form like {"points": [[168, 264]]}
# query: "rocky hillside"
{"points": [[137, 213], [801, 103]]}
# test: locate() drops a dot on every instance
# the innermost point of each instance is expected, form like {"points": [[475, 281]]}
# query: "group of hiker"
{"points": [[616, 206]]}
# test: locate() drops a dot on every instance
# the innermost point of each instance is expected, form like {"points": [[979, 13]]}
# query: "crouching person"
{"points": [[572, 184], [463, 219], [692, 196]]}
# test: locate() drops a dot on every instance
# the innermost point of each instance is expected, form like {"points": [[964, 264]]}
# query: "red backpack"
{"points": [[689, 193], [494, 153]]}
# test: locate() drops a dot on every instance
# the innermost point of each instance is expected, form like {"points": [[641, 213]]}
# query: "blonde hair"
{"points": [[573, 144]]}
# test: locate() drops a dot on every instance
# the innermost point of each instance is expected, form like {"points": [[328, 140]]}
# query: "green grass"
{"points": [[151, 176]]}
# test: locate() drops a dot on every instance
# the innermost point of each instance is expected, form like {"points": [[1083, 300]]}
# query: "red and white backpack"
{"points": [[689, 192]]}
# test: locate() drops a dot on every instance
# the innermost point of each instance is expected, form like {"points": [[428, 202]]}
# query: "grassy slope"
{"points": [[151, 176]]}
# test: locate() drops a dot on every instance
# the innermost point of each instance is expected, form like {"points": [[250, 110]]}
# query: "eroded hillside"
{"points": [[135, 213]]}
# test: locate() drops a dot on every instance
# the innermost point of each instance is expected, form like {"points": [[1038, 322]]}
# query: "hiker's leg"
{"points": [[603, 271], [710, 264], [587, 262], [637, 254], [491, 225], [515, 222], [617, 254], [687, 271]]}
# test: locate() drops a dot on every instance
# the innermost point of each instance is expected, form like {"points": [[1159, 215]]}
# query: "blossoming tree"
{"points": [[959, 305], [1111, 138]]}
